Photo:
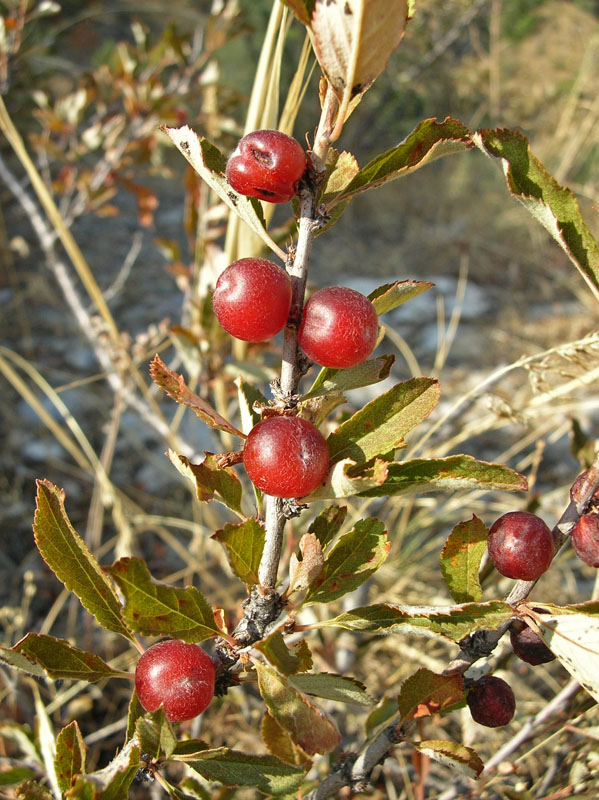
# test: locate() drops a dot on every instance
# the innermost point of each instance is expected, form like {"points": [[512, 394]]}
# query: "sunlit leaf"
{"points": [[392, 295], [113, 781], [329, 686], [233, 768], [211, 481], [460, 560], [60, 659], [425, 693], [452, 754], [70, 755], [155, 734], [328, 524], [71, 560], [367, 373], [244, 544], [278, 742]]}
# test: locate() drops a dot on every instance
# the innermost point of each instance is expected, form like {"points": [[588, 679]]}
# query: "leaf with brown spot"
{"points": [[460, 560], [425, 693]]}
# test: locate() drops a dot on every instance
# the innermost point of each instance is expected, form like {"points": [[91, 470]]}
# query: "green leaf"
{"points": [[248, 395], [345, 479], [381, 425], [67, 555], [425, 693], [244, 544], [278, 742], [464, 759], [356, 556], [554, 206], [14, 775], [428, 141], [380, 716], [134, 712], [60, 659], [156, 735], [233, 768], [278, 654], [460, 560], [332, 687], [210, 480], [210, 164], [333, 381], [392, 295], [446, 474], [453, 622], [70, 755], [174, 385], [113, 781], [307, 725], [328, 524], [156, 609]]}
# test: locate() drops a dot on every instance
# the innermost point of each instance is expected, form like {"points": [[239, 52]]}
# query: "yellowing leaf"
{"points": [[353, 40]]}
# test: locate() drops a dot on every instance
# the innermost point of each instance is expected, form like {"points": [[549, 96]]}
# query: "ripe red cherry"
{"points": [[286, 456], [528, 645], [585, 539], [252, 299], [339, 327], [521, 545], [266, 164], [491, 701], [175, 674]]}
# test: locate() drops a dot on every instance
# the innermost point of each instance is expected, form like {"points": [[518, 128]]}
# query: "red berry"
{"points": [[521, 545], [267, 164], [252, 299], [491, 701], [286, 456], [177, 675], [339, 327], [528, 645], [585, 539]]}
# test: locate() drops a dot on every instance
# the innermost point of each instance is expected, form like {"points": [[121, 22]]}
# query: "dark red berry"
{"points": [[339, 327], [491, 701], [267, 164], [252, 299], [521, 545], [585, 539], [177, 675], [528, 645], [286, 456]]}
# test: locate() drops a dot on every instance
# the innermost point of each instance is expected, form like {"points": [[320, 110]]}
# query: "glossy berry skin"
{"points": [[286, 456], [175, 674], [521, 545], [252, 299], [339, 327], [268, 165], [528, 645], [585, 539], [491, 701]]}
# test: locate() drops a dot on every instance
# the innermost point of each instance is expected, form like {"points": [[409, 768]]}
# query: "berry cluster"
{"points": [[286, 456]]}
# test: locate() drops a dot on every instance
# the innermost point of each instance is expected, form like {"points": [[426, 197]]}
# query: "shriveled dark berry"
{"points": [[491, 701], [528, 645]]}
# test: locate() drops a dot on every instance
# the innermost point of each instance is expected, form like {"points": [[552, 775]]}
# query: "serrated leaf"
{"points": [[457, 756], [278, 742], [156, 609], [328, 524], [332, 687], [210, 164], [18, 661], [427, 142], [345, 479], [174, 385], [460, 560], [341, 169], [425, 693], [155, 734], [113, 781], [572, 634], [333, 381], [380, 426], [307, 726], [554, 206], [446, 474], [452, 622], [392, 295], [356, 556], [278, 654], [67, 555], [210, 480], [60, 659], [233, 768], [70, 755], [244, 544], [353, 41]]}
